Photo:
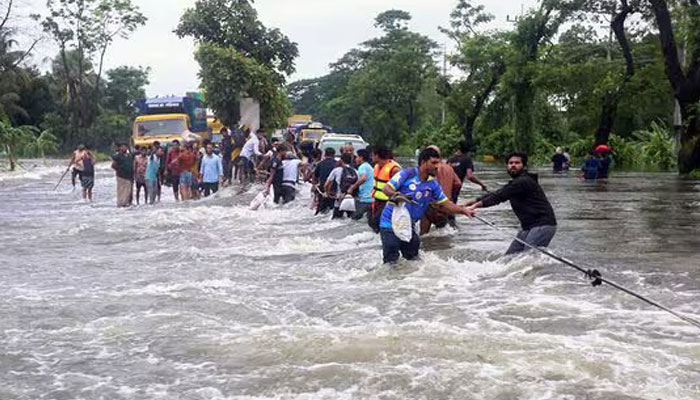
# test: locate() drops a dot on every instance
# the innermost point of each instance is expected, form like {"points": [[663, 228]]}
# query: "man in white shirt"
{"points": [[339, 183], [250, 150], [289, 177]]}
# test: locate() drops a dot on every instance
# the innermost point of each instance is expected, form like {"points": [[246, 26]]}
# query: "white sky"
{"points": [[323, 29]]}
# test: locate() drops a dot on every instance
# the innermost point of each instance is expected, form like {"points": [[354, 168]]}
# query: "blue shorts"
{"points": [[186, 178]]}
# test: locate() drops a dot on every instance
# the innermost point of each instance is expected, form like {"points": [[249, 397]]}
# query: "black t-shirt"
{"points": [[527, 199], [461, 164], [558, 160], [227, 146], [278, 168], [323, 169]]}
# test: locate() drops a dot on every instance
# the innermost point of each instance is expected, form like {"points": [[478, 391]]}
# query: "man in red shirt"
{"points": [[172, 169]]}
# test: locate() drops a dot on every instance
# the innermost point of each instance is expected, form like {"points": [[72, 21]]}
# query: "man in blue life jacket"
{"points": [[418, 188]]}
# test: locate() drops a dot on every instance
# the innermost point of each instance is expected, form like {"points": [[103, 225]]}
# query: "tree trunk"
{"points": [[689, 153], [612, 98], [607, 117], [686, 86], [11, 158], [468, 131], [524, 117], [467, 122]]}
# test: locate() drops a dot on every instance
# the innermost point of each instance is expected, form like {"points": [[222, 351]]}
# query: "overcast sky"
{"points": [[323, 29]]}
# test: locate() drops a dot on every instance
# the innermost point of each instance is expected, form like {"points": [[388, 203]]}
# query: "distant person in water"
{"points": [[152, 174], [87, 177], [140, 164], [529, 204], [567, 155], [590, 167], [604, 160], [559, 161], [123, 165], [76, 163]]}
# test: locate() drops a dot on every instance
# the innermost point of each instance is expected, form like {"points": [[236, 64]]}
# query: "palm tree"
{"points": [[12, 139], [41, 143]]}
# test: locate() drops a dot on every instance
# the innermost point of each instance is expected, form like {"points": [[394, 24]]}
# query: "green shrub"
{"points": [[657, 147]]}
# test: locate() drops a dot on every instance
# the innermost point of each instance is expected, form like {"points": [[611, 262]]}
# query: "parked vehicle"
{"points": [[338, 140]]}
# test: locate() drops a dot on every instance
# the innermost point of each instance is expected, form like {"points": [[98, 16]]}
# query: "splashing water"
{"points": [[208, 300]]}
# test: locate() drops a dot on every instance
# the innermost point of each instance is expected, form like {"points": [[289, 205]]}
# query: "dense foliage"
{"points": [[240, 57], [555, 79], [76, 101]]}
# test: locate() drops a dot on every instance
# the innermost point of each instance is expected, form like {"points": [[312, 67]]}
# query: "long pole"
{"points": [[61, 180], [596, 277]]}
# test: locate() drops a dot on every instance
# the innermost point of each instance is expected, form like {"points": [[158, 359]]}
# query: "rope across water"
{"points": [[595, 276]]}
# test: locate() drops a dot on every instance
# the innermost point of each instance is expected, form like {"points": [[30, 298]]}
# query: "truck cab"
{"points": [[165, 119]]}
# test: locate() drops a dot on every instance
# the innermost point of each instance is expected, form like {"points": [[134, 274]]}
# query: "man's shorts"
{"points": [[87, 182], [186, 178]]}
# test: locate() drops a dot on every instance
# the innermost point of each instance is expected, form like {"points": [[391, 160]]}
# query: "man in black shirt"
{"points": [[226, 152], [323, 169], [464, 168], [528, 202], [558, 160]]}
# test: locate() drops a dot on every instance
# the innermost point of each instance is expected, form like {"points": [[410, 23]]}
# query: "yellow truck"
{"points": [[165, 119]]}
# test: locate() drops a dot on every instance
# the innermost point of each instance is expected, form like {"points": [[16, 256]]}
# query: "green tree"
{"points": [[481, 56], [83, 31], [41, 143], [235, 23], [239, 57], [685, 81], [12, 140], [533, 30], [125, 85]]}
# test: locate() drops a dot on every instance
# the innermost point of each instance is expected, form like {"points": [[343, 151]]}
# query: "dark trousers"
{"points": [[392, 246], [227, 164], [539, 236], [325, 204], [285, 194], [210, 187], [376, 215], [337, 214], [361, 209], [75, 174]]}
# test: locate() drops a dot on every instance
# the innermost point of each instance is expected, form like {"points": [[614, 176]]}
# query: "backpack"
{"points": [[348, 179]]}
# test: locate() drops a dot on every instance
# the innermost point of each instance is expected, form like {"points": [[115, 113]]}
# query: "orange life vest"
{"points": [[381, 177]]}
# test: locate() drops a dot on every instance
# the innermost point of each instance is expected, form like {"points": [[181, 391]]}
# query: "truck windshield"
{"points": [[168, 127]]}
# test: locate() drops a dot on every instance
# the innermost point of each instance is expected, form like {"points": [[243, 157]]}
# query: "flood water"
{"points": [[209, 300]]}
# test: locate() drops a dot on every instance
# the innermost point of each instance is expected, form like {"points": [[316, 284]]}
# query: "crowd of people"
{"points": [[354, 184]]}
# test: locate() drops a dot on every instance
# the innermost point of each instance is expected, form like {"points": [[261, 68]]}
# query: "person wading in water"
{"points": [[384, 169], [123, 165], [419, 186], [529, 204], [87, 177]]}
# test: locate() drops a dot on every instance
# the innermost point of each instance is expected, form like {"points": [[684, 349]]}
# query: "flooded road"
{"points": [[208, 300]]}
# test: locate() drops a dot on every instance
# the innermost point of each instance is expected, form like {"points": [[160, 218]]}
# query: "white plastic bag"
{"points": [[401, 223], [261, 199], [348, 204]]}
